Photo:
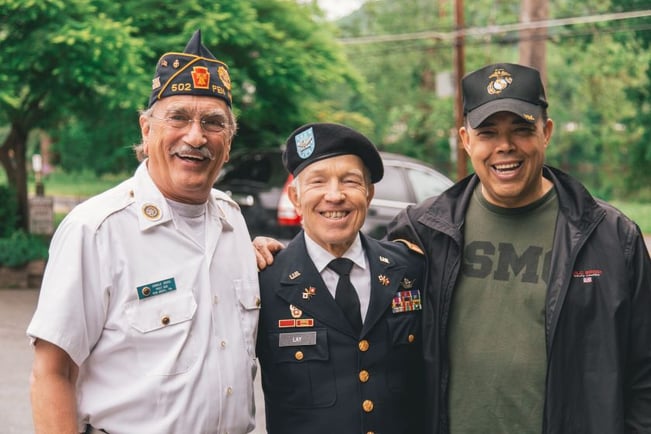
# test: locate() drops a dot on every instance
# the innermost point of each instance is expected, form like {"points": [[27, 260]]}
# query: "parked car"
{"points": [[258, 182]]}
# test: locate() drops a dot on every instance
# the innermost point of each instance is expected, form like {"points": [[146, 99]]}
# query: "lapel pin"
{"points": [[384, 280], [151, 212], [294, 275], [384, 259], [309, 292]]}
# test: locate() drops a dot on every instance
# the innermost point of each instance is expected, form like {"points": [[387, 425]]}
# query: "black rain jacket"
{"points": [[598, 309]]}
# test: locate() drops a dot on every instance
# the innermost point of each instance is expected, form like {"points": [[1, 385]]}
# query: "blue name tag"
{"points": [[156, 288]]}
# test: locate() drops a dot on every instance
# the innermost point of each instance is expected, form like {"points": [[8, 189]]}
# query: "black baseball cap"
{"points": [[503, 87], [318, 141]]}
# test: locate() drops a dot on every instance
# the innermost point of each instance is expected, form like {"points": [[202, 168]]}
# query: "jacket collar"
{"points": [[446, 212], [301, 285]]}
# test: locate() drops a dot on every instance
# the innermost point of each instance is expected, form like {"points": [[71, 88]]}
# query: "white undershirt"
{"points": [[190, 219]]}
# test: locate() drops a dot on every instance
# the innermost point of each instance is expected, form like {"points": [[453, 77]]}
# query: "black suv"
{"points": [[257, 181]]}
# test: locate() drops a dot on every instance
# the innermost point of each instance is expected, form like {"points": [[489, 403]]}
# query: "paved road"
{"points": [[16, 309]]}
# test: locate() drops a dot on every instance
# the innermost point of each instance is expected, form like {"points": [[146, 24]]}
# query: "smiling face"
{"points": [[332, 196], [184, 161], [508, 154]]}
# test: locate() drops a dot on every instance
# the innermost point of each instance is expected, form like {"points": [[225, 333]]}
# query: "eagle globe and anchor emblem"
{"points": [[500, 80]]}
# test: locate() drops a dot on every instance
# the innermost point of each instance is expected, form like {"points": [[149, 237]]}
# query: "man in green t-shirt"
{"points": [[537, 307]]}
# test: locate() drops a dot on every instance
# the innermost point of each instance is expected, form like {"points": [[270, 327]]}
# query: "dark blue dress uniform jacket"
{"points": [[318, 376]]}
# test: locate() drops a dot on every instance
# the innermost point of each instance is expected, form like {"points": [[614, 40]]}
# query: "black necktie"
{"points": [[346, 295]]}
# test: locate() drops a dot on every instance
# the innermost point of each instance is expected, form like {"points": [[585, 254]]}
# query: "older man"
{"points": [[340, 331], [147, 316]]}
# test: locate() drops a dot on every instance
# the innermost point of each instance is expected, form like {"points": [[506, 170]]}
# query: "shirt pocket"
{"points": [[162, 333], [300, 376], [248, 296]]}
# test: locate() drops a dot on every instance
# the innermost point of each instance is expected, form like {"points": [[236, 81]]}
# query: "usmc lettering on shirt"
{"points": [[483, 259]]}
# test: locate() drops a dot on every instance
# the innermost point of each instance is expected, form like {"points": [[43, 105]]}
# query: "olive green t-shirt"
{"points": [[497, 319]]}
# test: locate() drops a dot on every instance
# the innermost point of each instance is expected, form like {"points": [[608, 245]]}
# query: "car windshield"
{"points": [[254, 167]]}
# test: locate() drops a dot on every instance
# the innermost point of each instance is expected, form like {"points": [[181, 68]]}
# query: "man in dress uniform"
{"points": [[339, 338]]}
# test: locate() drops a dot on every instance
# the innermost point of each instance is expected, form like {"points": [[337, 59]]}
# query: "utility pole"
{"points": [[459, 68], [533, 42]]}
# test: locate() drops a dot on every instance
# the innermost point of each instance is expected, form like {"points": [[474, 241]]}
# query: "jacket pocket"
{"points": [[161, 333], [405, 349], [300, 376]]}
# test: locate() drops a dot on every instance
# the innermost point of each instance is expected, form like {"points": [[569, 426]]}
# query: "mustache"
{"points": [[190, 151]]}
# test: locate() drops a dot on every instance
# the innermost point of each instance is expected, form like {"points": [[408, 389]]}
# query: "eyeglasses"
{"points": [[210, 124]]}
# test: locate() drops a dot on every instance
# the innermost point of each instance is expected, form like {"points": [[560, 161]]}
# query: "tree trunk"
{"points": [[12, 156], [533, 42]]}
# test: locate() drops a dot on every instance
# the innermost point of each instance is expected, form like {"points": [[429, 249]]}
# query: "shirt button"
{"points": [[363, 345], [215, 299], [363, 376], [367, 405], [222, 344], [411, 338], [165, 320], [298, 355], [229, 391]]}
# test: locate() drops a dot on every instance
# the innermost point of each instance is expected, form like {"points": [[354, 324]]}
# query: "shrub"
{"points": [[20, 248], [8, 211]]}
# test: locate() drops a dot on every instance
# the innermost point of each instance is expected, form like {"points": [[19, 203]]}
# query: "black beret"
{"points": [[503, 87], [194, 72], [317, 141]]}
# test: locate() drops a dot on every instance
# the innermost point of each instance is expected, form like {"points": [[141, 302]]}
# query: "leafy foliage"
{"points": [[20, 248]]}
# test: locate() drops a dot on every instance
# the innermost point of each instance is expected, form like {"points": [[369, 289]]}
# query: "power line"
{"points": [[495, 29]]}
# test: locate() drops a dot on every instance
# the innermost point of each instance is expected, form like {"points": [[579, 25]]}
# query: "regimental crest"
{"points": [[500, 80], [296, 312], [200, 77], [305, 143]]}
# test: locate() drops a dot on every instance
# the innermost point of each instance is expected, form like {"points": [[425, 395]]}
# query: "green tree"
{"points": [[81, 72], [56, 60]]}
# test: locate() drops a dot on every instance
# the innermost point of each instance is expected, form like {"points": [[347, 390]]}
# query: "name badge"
{"points": [[156, 288], [296, 339]]}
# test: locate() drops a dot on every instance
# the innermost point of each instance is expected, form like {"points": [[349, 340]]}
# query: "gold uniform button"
{"points": [[367, 405], [298, 355], [165, 320], [258, 302], [411, 338], [370, 432], [363, 345], [363, 376], [146, 291]]}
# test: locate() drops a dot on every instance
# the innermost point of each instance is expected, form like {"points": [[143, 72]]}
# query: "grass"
{"points": [[640, 213]]}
